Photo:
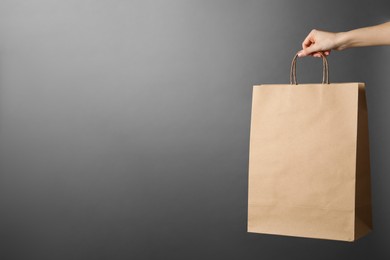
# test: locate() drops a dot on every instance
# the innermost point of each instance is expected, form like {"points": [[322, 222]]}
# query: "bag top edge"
{"points": [[311, 84]]}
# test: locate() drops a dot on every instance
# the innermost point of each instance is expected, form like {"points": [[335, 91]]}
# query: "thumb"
{"points": [[308, 50]]}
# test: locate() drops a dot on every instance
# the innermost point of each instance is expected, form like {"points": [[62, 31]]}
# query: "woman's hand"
{"points": [[320, 41]]}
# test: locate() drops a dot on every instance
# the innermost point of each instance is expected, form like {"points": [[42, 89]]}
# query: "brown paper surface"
{"points": [[304, 176]]}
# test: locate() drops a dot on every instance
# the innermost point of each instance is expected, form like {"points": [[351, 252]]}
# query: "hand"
{"points": [[319, 41]]}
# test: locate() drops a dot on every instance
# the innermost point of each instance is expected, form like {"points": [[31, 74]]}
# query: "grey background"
{"points": [[124, 125]]}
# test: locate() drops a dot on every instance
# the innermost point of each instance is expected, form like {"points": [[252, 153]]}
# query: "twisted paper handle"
{"points": [[325, 70]]}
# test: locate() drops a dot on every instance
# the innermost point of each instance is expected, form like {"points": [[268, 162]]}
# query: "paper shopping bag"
{"points": [[309, 170]]}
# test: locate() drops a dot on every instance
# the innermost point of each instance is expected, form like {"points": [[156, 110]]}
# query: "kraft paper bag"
{"points": [[309, 170]]}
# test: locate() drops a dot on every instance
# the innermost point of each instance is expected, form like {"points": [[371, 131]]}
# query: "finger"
{"points": [[317, 55], [320, 53], [309, 40], [309, 50]]}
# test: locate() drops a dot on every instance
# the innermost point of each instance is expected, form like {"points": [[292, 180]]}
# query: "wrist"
{"points": [[342, 40]]}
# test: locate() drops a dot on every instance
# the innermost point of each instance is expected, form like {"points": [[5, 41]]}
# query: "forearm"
{"points": [[366, 36]]}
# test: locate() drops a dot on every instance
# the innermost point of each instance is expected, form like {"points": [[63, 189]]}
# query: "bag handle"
{"points": [[325, 70]]}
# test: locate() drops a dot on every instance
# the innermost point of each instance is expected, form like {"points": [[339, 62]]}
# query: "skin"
{"points": [[322, 41]]}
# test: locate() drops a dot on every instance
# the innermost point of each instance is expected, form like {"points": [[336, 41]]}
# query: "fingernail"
{"points": [[300, 54]]}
